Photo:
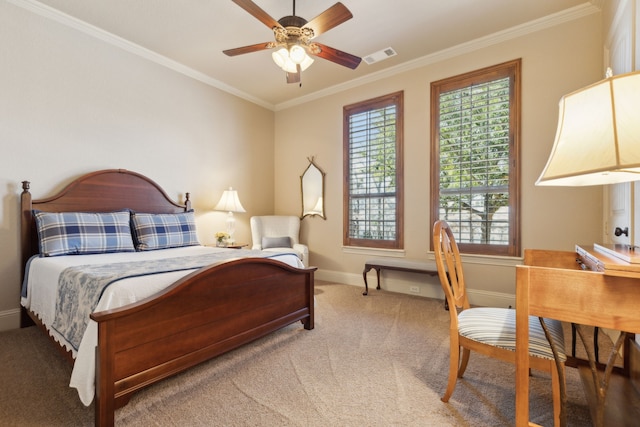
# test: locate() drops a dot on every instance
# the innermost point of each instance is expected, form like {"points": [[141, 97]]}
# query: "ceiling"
{"points": [[190, 35]]}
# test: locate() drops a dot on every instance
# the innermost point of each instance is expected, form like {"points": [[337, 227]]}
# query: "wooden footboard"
{"points": [[209, 312]]}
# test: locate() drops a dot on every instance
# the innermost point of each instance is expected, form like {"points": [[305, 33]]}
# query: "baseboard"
{"points": [[634, 364], [9, 319], [427, 287]]}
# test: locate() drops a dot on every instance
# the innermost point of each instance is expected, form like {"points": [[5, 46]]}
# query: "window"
{"points": [[475, 120], [373, 200]]}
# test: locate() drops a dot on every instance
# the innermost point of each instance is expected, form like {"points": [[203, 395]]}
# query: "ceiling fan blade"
{"points": [[260, 14], [330, 18], [335, 55], [248, 49], [294, 77]]}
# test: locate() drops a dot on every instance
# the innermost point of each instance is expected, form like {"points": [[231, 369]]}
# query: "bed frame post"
{"points": [[105, 387], [309, 322], [25, 244]]}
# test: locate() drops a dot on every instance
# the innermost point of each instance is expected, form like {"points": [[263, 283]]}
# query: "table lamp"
{"points": [[230, 203]]}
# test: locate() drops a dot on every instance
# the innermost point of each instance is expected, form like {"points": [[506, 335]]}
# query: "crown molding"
{"points": [[571, 14], [549, 21]]}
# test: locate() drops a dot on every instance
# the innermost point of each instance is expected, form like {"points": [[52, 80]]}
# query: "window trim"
{"points": [[510, 69], [396, 98]]}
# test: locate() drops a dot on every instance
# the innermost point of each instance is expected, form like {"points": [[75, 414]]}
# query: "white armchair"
{"points": [[278, 233]]}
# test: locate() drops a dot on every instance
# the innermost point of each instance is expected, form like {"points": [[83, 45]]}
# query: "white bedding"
{"points": [[42, 292]]}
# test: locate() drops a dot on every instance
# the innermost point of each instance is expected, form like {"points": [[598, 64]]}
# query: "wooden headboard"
{"points": [[102, 191]]}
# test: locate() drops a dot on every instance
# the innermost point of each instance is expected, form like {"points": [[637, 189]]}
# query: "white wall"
{"points": [[71, 104], [556, 60]]}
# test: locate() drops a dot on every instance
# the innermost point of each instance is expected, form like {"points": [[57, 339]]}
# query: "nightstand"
{"points": [[233, 246]]}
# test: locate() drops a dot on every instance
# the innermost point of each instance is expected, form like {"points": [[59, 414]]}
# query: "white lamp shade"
{"points": [[306, 62], [297, 54], [230, 202], [289, 66], [280, 56], [598, 137]]}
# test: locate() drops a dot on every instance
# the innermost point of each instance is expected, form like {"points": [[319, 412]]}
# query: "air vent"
{"points": [[380, 55]]}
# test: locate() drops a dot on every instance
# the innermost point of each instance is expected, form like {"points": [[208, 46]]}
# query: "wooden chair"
{"points": [[491, 331]]}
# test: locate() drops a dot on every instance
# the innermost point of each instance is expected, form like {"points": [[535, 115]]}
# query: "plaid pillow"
{"points": [[76, 233], [161, 231]]}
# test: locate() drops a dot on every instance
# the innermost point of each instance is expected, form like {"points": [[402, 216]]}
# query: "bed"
{"points": [[201, 312]]}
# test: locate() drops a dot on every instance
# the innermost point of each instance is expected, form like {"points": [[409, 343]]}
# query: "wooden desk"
{"points": [[552, 284]]}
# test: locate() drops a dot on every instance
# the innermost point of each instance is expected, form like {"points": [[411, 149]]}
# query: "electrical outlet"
{"points": [[414, 289]]}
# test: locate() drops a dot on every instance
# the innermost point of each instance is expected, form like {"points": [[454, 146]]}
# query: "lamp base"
{"points": [[231, 227]]}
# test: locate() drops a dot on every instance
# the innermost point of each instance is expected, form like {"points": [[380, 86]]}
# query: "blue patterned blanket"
{"points": [[80, 287]]}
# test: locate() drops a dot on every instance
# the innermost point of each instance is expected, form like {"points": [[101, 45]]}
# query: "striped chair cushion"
{"points": [[497, 327]]}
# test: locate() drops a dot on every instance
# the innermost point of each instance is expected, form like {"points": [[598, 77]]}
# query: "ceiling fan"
{"points": [[293, 35]]}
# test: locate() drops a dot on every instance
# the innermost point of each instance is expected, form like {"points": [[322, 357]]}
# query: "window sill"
{"points": [[398, 253]]}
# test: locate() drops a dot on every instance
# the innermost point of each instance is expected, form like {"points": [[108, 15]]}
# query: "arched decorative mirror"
{"points": [[312, 185]]}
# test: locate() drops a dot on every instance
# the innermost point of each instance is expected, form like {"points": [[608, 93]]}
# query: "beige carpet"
{"points": [[379, 360]]}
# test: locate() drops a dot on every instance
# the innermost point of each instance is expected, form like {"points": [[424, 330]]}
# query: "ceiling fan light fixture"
{"points": [[290, 67], [297, 54], [280, 56], [306, 62], [288, 60], [282, 60]]}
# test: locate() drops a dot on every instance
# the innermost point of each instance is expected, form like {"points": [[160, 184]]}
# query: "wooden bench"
{"points": [[398, 264]]}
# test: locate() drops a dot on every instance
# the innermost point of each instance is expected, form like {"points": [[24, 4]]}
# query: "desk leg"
{"points": [[600, 382], [522, 348]]}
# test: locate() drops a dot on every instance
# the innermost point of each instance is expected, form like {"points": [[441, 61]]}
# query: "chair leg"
{"points": [[559, 419], [454, 360], [465, 361]]}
